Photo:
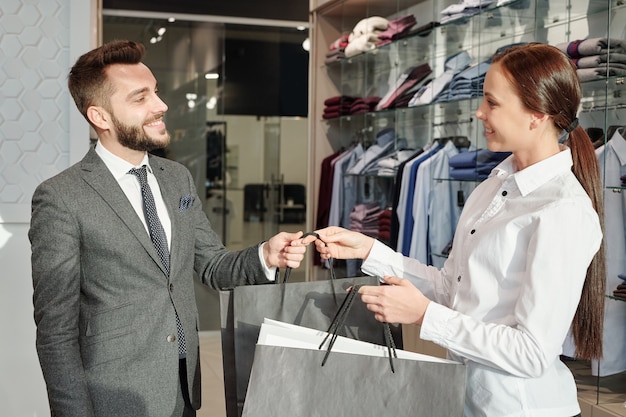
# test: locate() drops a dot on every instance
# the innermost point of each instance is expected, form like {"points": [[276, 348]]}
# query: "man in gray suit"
{"points": [[115, 310]]}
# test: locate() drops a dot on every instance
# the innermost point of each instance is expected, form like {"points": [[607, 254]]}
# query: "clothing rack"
{"points": [[453, 122], [603, 108]]}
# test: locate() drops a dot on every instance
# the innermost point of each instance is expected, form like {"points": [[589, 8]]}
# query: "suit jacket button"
{"points": [[171, 287], [171, 338]]}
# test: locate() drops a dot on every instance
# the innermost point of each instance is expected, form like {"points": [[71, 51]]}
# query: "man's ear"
{"points": [[99, 117]]}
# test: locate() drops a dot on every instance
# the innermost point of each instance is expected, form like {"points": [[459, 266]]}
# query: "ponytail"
{"points": [[546, 81], [589, 318]]}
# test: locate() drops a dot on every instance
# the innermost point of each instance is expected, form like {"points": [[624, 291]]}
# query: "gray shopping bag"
{"points": [[288, 379], [311, 304]]}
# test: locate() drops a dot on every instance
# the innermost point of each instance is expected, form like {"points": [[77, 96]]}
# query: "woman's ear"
{"points": [[537, 119], [98, 117]]}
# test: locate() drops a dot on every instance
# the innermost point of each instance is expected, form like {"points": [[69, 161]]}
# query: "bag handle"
{"points": [[339, 320], [288, 269]]}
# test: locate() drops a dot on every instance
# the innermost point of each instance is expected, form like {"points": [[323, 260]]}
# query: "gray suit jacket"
{"points": [[104, 306]]}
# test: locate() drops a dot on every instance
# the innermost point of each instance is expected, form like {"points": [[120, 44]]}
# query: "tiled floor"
{"points": [[610, 403], [599, 396], [213, 403]]}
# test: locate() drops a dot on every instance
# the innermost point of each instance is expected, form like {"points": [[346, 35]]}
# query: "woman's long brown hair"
{"points": [[546, 82]]}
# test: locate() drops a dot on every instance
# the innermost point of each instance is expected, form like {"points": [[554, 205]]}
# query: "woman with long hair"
{"points": [[527, 262]]}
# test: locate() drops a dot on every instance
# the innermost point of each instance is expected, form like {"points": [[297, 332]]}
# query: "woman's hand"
{"points": [[339, 243], [398, 302]]}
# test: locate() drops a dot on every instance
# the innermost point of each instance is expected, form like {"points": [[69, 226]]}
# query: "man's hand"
{"points": [[280, 252]]}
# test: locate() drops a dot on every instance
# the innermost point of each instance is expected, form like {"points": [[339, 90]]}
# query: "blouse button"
{"points": [[458, 278], [504, 193]]}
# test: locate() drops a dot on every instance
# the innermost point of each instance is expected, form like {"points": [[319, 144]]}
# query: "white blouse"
{"points": [[505, 298]]}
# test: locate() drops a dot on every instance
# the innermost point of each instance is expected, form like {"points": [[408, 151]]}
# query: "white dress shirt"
{"points": [[506, 296], [130, 186]]}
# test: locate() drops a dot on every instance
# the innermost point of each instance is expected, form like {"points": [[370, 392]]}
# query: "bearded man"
{"points": [[116, 240]]}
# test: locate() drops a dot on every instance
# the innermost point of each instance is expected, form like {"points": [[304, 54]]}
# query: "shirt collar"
{"points": [[458, 61], [118, 166], [536, 175], [618, 143]]}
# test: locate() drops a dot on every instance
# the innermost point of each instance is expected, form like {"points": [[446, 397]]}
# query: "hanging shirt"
{"points": [[506, 296], [383, 144], [342, 189], [435, 208], [407, 220], [453, 65], [612, 160], [397, 207]]}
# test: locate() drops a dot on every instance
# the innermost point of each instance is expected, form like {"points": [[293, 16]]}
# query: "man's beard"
{"points": [[135, 138]]}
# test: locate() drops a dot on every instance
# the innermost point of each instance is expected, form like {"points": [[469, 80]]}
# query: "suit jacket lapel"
{"points": [[98, 176]]}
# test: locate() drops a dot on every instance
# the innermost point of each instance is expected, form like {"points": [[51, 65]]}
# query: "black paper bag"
{"points": [[290, 381], [310, 304]]}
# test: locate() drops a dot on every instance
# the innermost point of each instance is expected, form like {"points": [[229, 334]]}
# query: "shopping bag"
{"points": [[310, 304], [288, 378]]}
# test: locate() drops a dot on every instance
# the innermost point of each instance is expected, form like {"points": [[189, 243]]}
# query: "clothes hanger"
{"points": [[461, 141]]}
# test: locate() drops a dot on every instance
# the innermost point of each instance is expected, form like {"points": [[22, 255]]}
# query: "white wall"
{"points": [[41, 133]]}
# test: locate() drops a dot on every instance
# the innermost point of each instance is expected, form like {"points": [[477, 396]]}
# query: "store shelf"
{"points": [[372, 72]]}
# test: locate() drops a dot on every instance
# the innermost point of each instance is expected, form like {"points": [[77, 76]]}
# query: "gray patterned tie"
{"points": [[157, 234]]}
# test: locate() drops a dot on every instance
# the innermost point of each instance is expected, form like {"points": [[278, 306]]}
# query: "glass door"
{"points": [[273, 177]]}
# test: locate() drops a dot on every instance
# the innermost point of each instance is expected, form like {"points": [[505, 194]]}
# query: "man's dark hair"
{"points": [[87, 79]]}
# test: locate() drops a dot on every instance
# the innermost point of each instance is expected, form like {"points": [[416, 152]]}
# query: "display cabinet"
{"points": [[431, 43]]}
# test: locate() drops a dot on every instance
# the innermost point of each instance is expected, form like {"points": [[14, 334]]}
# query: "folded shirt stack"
{"points": [[475, 165], [364, 218], [396, 29], [403, 90], [343, 105], [364, 105], [364, 35], [388, 166], [465, 8], [597, 58], [337, 50], [431, 89], [466, 84], [337, 106], [384, 225]]}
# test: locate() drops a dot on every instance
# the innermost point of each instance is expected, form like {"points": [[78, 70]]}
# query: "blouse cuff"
{"points": [[435, 325], [377, 262]]}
